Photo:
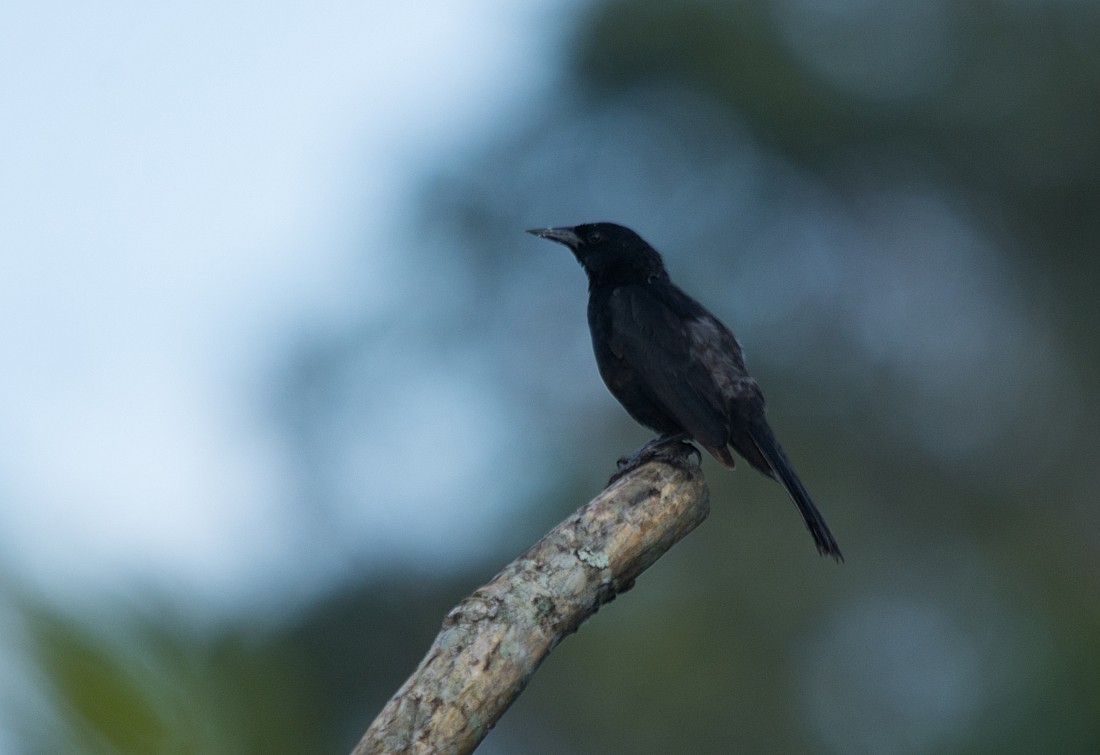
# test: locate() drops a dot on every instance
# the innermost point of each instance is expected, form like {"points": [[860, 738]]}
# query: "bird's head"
{"points": [[608, 251]]}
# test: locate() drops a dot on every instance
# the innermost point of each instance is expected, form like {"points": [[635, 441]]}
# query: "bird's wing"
{"points": [[687, 360]]}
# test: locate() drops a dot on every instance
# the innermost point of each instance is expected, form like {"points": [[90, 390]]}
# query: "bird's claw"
{"points": [[671, 448]]}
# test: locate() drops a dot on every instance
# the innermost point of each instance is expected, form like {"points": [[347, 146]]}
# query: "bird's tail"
{"points": [[770, 449]]}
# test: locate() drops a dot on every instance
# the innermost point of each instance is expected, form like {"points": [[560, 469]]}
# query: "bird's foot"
{"points": [[666, 447]]}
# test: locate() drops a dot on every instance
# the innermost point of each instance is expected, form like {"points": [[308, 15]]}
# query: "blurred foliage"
{"points": [[897, 208], [130, 680]]}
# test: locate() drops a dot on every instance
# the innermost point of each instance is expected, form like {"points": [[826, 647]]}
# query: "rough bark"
{"points": [[492, 642]]}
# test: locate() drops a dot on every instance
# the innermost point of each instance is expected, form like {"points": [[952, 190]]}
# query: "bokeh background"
{"points": [[282, 378]]}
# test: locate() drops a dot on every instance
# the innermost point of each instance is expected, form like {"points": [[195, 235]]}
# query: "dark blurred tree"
{"points": [[898, 207]]}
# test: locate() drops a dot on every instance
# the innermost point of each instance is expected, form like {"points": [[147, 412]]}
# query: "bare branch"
{"points": [[492, 642]]}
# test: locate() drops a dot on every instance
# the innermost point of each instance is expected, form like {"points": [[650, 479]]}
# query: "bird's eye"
{"points": [[594, 237]]}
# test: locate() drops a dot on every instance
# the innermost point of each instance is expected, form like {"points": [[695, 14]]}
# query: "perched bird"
{"points": [[672, 364]]}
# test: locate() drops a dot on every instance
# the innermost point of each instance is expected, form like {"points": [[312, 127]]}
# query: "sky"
{"points": [[179, 185]]}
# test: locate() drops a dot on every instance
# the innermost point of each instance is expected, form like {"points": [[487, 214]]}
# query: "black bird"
{"points": [[672, 364]]}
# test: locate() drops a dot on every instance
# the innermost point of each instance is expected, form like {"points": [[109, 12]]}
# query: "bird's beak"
{"points": [[562, 235]]}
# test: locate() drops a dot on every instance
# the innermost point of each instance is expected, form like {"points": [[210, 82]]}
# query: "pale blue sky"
{"points": [[179, 184]]}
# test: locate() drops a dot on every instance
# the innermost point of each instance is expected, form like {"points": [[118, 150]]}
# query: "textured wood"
{"points": [[492, 642]]}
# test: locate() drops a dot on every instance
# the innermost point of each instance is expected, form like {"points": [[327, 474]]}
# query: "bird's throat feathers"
{"points": [[622, 266]]}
